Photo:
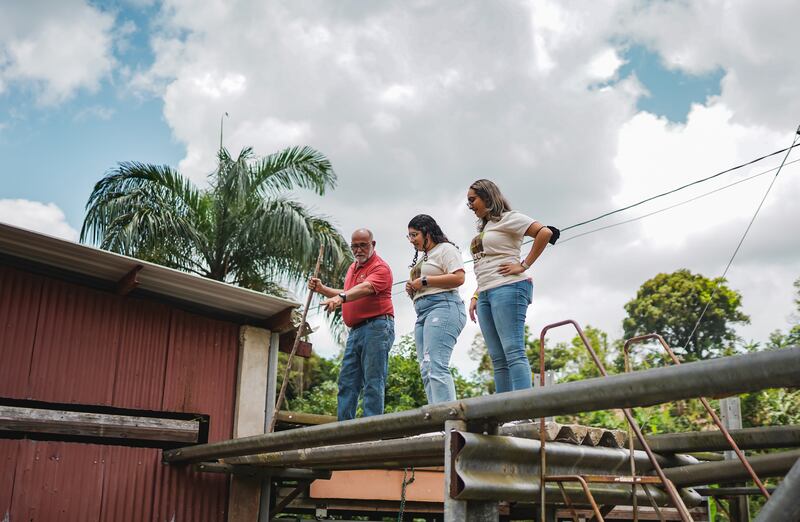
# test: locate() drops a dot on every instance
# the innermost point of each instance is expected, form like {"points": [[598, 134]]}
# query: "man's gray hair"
{"points": [[364, 230]]}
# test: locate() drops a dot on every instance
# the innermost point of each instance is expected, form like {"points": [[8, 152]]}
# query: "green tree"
{"points": [[670, 304], [243, 229]]}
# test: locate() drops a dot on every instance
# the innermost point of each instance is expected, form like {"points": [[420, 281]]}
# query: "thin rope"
{"points": [[403, 492]]}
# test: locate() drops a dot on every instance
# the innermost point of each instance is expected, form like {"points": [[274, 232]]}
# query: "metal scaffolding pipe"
{"points": [[401, 450], [726, 375], [785, 503], [771, 465], [488, 467], [749, 438], [429, 450], [733, 491], [252, 471]]}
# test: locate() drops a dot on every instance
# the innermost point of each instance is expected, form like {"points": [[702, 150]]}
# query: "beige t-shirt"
{"points": [[499, 243], [442, 259]]}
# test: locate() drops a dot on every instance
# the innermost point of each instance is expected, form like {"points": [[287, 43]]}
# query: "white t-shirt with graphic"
{"points": [[500, 242], [442, 259]]}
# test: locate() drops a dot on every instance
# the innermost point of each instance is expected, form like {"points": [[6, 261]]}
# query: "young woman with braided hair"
{"points": [[504, 290], [440, 311]]}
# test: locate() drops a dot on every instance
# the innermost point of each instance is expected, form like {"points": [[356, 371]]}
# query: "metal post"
{"points": [[454, 510], [462, 510], [731, 416], [272, 385]]}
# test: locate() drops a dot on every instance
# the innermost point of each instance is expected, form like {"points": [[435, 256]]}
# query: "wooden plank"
{"points": [[306, 419], [36, 420]]}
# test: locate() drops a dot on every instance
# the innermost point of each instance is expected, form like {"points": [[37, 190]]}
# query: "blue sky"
{"points": [[55, 153]]}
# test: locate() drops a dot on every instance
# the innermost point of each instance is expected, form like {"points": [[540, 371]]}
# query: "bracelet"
{"points": [[475, 295], [524, 264]]}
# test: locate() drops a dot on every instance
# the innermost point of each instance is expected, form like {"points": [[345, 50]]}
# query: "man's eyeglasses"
{"points": [[359, 246]]}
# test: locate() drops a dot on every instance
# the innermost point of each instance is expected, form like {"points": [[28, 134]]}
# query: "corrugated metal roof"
{"points": [[154, 279]]}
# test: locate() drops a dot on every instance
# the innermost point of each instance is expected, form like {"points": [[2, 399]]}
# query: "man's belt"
{"points": [[367, 321]]}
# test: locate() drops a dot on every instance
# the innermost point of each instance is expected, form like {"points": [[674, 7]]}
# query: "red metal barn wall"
{"points": [[61, 342]]}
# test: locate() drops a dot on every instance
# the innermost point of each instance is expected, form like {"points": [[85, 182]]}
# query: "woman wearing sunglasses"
{"points": [[440, 311], [504, 289]]}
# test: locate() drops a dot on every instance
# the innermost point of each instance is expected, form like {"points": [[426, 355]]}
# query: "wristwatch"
{"points": [[524, 264], [343, 296], [424, 280]]}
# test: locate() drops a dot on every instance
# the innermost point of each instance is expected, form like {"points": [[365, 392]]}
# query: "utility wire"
{"points": [[659, 211], [657, 196], [651, 198], [739, 245]]}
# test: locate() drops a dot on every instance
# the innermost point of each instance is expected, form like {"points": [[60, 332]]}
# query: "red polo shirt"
{"points": [[378, 273]]}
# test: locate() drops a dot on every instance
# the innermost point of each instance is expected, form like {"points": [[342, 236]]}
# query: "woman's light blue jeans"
{"points": [[501, 315], [440, 319]]}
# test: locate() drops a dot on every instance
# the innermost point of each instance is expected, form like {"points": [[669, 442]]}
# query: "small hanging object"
{"points": [[300, 331]]}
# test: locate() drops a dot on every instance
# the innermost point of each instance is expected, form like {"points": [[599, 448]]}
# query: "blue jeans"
{"points": [[501, 314], [440, 319], [364, 367]]}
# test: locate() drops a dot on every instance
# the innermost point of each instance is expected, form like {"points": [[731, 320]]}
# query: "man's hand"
{"points": [[315, 284], [332, 303]]}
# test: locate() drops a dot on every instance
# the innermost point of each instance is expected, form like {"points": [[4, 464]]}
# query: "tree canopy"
{"points": [[670, 304], [243, 229]]}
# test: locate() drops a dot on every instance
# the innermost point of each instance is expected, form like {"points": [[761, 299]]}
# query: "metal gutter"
{"points": [[153, 279]]}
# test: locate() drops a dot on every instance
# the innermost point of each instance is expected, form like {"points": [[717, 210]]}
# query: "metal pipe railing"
{"points": [[703, 401], [785, 503], [727, 375], [634, 426], [767, 437], [769, 465]]}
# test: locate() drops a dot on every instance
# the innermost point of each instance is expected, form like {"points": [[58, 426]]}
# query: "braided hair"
{"points": [[427, 226]]}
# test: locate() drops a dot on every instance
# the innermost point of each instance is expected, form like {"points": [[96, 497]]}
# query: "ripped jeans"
{"points": [[440, 319]]}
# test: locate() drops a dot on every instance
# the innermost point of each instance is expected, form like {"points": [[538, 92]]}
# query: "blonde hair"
{"points": [[496, 203]]}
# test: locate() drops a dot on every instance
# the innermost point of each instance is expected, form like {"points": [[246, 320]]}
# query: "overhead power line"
{"points": [[787, 150], [744, 236], [667, 193]]}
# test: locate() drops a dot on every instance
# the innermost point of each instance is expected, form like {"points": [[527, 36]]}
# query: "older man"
{"points": [[367, 309]]}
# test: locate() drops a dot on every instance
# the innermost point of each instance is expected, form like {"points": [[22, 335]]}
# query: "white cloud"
{"points": [[46, 218], [414, 101], [752, 42], [56, 47]]}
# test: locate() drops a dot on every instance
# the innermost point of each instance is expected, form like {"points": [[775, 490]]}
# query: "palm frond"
{"points": [[293, 167], [143, 208]]}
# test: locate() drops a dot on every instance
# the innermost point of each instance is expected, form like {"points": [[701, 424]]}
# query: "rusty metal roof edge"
{"points": [[153, 278]]}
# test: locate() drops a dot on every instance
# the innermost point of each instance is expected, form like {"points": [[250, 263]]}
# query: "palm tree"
{"points": [[243, 229]]}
